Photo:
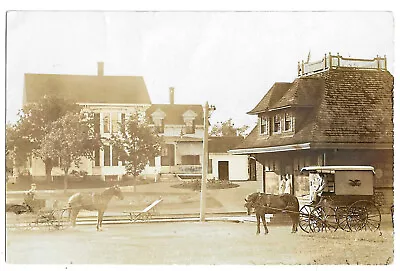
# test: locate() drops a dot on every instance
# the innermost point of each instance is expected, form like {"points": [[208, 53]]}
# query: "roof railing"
{"points": [[337, 61]]}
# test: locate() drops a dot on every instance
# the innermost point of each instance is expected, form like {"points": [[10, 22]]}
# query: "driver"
{"points": [[318, 185]]}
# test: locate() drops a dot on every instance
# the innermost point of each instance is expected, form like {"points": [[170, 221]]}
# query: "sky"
{"points": [[230, 59]]}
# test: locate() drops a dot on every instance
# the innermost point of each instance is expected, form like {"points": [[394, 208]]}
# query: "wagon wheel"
{"points": [[323, 219], [363, 214], [62, 218], [304, 218], [341, 218]]}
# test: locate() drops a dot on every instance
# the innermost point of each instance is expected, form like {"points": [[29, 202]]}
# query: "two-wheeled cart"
{"points": [[32, 213]]}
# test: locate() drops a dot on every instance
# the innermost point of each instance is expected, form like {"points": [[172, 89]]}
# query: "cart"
{"points": [[33, 213], [343, 199]]}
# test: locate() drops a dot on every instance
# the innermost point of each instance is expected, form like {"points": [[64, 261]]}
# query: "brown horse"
{"points": [[271, 204], [92, 202]]}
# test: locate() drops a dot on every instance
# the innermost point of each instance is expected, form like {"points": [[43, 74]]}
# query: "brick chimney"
{"points": [[100, 68], [171, 95]]}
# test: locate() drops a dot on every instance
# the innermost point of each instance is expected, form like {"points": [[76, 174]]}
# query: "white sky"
{"points": [[230, 59]]}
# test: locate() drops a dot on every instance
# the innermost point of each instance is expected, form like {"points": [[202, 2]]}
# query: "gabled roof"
{"points": [[222, 144], [87, 88], [174, 113], [350, 106]]}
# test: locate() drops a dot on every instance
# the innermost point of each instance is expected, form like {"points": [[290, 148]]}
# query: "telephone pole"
{"points": [[205, 166]]}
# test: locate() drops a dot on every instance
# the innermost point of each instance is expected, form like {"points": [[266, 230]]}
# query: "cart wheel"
{"points": [[304, 218], [323, 219], [363, 214], [341, 218], [63, 218]]}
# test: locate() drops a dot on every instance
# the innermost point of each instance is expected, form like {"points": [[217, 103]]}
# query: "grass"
{"points": [[74, 183], [195, 184]]}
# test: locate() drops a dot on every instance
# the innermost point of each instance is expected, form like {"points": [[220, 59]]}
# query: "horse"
{"points": [[271, 204], [92, 202]]}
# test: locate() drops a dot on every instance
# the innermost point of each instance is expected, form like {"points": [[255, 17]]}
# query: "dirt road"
{"points": [[196, 243]]}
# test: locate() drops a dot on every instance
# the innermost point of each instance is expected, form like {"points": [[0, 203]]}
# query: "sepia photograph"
{"points": [[199, 138]]}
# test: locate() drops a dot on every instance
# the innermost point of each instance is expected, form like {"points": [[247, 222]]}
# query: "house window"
{"points": [[122, 122], [190, 159], [114, 122], [264, 125], [277, 124], [97, 157], [189, 127], [97, 123], [159, 126], [106, 155], [288, 122], [106, 123]]}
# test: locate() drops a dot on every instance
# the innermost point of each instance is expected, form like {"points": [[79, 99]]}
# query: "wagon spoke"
{"points": [[364, 214], [304, 218]]}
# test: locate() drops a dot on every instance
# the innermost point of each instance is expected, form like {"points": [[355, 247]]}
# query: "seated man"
{"points": [[30, 196], [317, 186]]}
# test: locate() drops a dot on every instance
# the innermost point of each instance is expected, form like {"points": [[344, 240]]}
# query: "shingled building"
{"points": [[338, 111]]}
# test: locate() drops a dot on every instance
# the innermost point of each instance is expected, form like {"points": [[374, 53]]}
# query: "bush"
{"points": [[195, 184]]}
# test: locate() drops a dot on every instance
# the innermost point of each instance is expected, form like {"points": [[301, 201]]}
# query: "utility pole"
{"points": [[205, 166]]}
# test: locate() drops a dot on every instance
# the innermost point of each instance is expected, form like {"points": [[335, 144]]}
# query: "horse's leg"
{"points": [[295, 221], [100, 220], [258, 223], [265, 224], [73, 214]]}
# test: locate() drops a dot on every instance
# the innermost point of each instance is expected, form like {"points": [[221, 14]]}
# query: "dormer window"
{"points": [[189, 127], [288, 122], [264, 125], [188, 118], [159, 126], [158, 120], [277, 124]]}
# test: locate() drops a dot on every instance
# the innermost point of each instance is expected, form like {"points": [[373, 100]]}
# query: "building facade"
{"points": [[338, 111], [182, 129], [112, 100], [223, 165]]}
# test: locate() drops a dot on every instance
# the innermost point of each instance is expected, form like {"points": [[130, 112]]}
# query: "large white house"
{"points": [[113, 99]]}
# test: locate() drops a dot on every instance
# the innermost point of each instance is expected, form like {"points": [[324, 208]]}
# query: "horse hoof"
{"points": [[257, 233]]}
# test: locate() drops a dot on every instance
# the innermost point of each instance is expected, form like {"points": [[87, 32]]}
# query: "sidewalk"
{"points": [[174, 199]]}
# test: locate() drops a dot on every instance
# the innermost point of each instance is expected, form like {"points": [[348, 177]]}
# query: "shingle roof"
{"points": [[222, 144], [273, 95], [87, 88], [350, 106], [174, 112], [302, 92]]}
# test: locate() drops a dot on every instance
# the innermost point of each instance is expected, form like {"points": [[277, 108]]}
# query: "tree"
{"points": [[34, 123], [227, 128], [17, 149], [69, 139], [136, 144]]}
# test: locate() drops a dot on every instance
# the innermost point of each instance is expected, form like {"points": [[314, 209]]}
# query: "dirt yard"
{"points": [[197, 243]]}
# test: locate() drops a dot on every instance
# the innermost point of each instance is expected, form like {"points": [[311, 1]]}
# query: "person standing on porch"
{"points": [[288, 184]]}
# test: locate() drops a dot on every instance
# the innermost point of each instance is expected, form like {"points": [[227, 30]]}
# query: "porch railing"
{"points": [[337, 61], [186, 169]]}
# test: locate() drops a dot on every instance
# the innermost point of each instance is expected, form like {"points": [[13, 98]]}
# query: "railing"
{"points": [[337, 61], [186, 169]]}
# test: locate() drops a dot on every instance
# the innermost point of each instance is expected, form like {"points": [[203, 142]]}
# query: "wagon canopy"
{"points": [[333, 169], [347, 180]]}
